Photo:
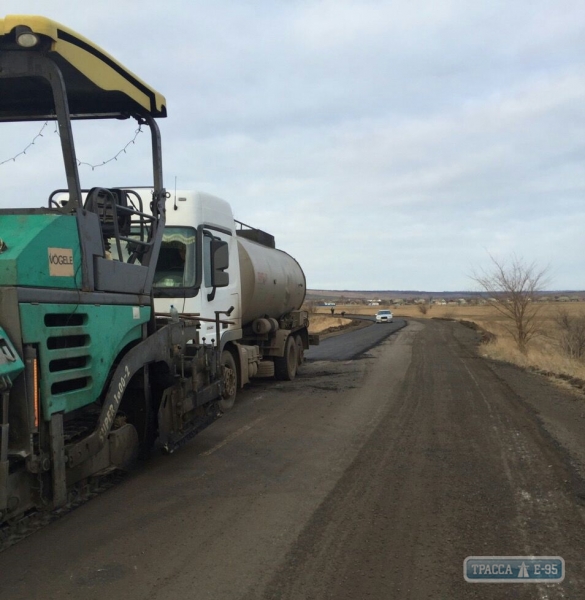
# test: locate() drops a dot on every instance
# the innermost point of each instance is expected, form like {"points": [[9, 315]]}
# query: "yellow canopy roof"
{"points": [[97, 85]]}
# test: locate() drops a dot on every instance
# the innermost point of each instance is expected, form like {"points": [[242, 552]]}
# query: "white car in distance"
{"points": [[384, 316]]}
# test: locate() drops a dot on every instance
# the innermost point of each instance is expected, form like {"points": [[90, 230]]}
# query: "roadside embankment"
{"points": [[330, 325]]}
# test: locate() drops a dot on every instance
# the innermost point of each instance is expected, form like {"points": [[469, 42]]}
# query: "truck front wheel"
{"points": [[285, 367], [230, 380]]}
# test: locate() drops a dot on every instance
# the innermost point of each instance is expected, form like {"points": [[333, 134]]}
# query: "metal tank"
{"points": [[273, 282]]}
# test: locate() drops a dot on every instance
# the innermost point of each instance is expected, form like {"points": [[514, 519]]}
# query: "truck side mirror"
{"points": [[220, 260]]}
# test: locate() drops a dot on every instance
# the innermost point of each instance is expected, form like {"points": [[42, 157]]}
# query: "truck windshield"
{"points": [[176, 261]]}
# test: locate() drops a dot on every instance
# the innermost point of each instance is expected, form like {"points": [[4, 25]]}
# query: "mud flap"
{"points": [[4, 451], [58, 460], [3, 486]]}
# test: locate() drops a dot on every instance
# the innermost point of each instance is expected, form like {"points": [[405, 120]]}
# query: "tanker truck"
{"points": [[267, 333], [119, 330]]}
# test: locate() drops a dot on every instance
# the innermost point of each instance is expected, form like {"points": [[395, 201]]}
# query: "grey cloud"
{"points": [[428, 132]]}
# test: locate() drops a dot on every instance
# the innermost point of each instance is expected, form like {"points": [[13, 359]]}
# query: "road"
{"points": [[370, 478], [353, 343]]}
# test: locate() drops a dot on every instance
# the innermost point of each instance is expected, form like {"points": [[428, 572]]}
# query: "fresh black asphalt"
{"points": [[354, 343]]}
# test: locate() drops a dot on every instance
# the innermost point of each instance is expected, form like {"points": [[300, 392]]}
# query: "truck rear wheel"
{"points": [[285, 367], [230, 380], [300, 350]]}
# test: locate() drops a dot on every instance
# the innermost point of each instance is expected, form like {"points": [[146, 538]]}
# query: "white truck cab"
{"points": [[190, 215]]}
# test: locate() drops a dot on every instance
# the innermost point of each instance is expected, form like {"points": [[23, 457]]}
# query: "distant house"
{"points": [[397, 301]]}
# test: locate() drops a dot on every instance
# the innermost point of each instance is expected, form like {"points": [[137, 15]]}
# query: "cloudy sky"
{"points": [[386, 144]]}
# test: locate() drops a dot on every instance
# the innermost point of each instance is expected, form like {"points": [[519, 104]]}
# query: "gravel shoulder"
{"points": [[461, 464]]}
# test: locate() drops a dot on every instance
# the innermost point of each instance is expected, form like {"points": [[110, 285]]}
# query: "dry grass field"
{"points": [[544, 352], [321, 322]]}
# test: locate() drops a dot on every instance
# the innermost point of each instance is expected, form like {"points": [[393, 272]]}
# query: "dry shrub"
{"points": [[543, 356], [571, 333], [512, 289]]}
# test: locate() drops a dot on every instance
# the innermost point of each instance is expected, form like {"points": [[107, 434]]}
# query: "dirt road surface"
{"points": [[368, 478]]}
